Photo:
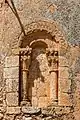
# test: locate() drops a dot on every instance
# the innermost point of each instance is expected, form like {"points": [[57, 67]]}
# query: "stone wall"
{"points": [[13, 27]]}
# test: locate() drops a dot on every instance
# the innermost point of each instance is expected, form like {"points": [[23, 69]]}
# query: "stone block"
{"points": [[15, 85], [58, 110], [27, 118], [12, 99], [12, 72], [63, 62], [34, 101], [43, 102], [16, 51], [8, 85], [41, 91], [12, 85], [12, 61], [1, 116], [32, 91], [64, 84], [67, 110], [13, 110], [47, 85], [30, 110], [64, 72], [64, 99]]}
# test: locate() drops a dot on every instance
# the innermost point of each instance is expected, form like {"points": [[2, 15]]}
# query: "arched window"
{"points": [[36, 74], [39, 69]]}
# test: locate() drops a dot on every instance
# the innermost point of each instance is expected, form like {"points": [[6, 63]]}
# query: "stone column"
{"points": [[53, 63], [25, 63]]}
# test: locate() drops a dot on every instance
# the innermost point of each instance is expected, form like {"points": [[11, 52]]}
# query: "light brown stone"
{"points": [[64, 85], [43, 102], [12, 61], [13, 110], [12, 99], [52, 8], [34, 101], [63, 62], [38, 25], [12, 85], [41, 91], [12, 72], [64, 99], [63, 72]]}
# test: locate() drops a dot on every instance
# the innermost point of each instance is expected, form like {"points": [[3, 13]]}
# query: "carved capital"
{"points": [[25, 57], [52, 57], [25, 53]]}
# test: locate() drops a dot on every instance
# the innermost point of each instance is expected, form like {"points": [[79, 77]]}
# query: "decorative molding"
{"points": [[52, 57], [50, 26]]}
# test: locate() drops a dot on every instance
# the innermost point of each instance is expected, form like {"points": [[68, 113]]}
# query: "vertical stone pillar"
{"points": [[53, 63], [25, 63]]}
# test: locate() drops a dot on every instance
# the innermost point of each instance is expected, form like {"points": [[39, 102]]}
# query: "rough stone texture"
{"points": [[11, 72], [11, 61], [13, 110], [12, 99], [12, 85], [39, 14]]}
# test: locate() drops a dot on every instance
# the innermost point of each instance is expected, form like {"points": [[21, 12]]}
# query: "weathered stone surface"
{"points": [[12, 61], [13, 110], [63, 72], [43, 101], [26, 118], [64, 99], [56, 110], [64, 85], [63, 62], [1, 116], [30, 110], [34, 101], [12, 72], [12, 99], [2, 109], [12, 85], [37, 15]]}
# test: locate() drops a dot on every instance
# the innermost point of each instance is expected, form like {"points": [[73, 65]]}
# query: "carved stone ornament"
{"points": [[52, 57], [26, 56], [26, 51]]}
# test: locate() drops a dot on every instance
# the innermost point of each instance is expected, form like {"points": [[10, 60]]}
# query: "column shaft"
{"points": [[25, 81], [53, 87]]}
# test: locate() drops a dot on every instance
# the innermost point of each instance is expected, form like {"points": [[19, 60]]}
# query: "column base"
{"points": [[25, 103], [54, 102]]}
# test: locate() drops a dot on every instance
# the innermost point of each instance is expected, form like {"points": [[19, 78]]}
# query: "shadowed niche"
{"points": [[37, 70]]}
